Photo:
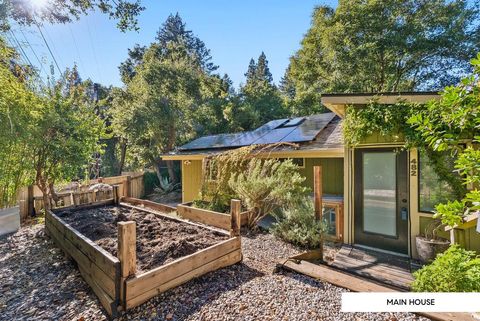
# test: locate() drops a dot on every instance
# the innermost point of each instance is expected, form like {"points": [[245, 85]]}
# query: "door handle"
{"points": [[404, 214]]}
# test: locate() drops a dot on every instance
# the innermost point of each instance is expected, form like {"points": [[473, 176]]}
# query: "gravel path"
{"points": [[37, 283]]}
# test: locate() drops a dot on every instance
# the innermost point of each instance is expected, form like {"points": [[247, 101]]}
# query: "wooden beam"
{"points": [[127, 255], [318, 191], [235, 223], [116, 195], [127, 248]]}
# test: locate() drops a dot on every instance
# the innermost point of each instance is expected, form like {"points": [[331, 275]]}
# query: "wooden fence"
{"points": [[129, 185]]}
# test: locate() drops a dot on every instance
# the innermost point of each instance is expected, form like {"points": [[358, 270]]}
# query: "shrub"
{"points": [[150, 182], [267, 186], [298, 225], [455, 270]]}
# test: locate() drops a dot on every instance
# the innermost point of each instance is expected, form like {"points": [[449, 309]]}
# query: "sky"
{"points": [[234, 31]]}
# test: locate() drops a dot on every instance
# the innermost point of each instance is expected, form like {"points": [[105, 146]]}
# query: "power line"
{"points": [[94, 52], [48, 47], [21, 48], [76, 49], [33, 51]]}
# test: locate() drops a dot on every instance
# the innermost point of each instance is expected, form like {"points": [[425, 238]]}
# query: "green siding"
{"points": [[472, 238], [332, 171]]}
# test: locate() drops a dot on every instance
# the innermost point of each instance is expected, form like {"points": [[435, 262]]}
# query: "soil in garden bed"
{"points": [[159, 240]]}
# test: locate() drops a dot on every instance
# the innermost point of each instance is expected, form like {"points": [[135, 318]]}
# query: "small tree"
{"points": [[65, 135], [267, 186]]}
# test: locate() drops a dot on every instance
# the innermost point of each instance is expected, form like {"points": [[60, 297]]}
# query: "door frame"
{"points": [[403, 233]]}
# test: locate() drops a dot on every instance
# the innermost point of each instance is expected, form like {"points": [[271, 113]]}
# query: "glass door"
{"points": [[381, 199]]}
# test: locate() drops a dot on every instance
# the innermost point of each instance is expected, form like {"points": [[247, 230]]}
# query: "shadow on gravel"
{"points": [[303, 279], [180, 302]]}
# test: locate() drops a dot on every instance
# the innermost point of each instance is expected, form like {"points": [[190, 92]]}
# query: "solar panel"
{"points": [[293, 122], [275, 136], [249, 138], [215, 141], [310, 128], [300, 129]]}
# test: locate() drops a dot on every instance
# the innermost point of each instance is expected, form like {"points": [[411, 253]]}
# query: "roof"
{"points": [[338, 102], [320, 133]]}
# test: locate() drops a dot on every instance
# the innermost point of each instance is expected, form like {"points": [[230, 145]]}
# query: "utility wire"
{"points": [[33, 51], [94, 52], [76, 49], [21, 48], [48, 47]]}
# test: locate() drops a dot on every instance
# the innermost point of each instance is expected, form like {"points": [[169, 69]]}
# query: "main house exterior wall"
{"points": [[332, 176]]}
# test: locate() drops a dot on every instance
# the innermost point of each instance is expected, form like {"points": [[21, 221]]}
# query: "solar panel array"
{"points": [[301, 129]]}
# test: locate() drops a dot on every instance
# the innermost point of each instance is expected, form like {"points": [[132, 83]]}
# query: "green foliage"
{"points": [[18, 104], [444, 125], [378, 46], [48, 135], [450, 213], [298, 225], [65, 11], [217, 173], [150, 182], [455, 270], [66, 131], [171, 96], [260, 100], [267, 186]]}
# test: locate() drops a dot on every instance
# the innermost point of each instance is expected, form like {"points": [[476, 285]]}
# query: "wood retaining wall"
{"points": [[114, 279], [217, 219], [99, 268]]}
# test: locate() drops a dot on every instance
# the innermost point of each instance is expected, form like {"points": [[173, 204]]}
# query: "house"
{"points": [[377, 195]]}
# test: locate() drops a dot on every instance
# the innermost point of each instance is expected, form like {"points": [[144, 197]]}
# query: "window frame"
{"points": [[419, 209]]}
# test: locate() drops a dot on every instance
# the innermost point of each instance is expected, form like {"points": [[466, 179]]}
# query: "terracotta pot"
{"points": [[428, 249]]}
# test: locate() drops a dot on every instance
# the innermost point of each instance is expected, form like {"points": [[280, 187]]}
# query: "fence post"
{"points": [[116, 197], [235, 219], [127, 186], [126, 253], [30, 203]]}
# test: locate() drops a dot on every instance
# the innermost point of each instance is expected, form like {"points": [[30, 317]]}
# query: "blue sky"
{"points": [[234, 31]]}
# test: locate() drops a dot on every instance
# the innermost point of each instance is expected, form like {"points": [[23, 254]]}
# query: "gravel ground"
{"points": [[38, 283]]}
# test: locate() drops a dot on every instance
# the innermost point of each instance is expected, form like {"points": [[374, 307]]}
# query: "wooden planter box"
{"points": [[114, 279], [217, 219]]}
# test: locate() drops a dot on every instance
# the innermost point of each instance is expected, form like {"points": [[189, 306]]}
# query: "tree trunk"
{"points": [[54, 195], [42, 184], [123, 153], [171, 172], [156, 166]]}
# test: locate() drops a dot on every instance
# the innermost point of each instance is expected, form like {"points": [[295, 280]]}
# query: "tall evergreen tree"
{"points": [[262, 71], [135, 57], [260, 99], [251, 71], [174, 30]]}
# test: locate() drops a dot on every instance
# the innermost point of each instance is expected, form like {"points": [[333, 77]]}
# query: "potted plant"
{"points": [[430, 244]]}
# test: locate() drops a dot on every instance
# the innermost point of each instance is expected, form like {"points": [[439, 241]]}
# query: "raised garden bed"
{"points": [[213, 218], [129, 253]]}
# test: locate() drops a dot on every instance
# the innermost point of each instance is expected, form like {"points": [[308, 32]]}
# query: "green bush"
{"points": [[455, 270], [298, 225], [267, 186], [150, 182]]}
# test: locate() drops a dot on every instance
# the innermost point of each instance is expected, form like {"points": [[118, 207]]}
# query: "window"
{"points": [[432, 190]]}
